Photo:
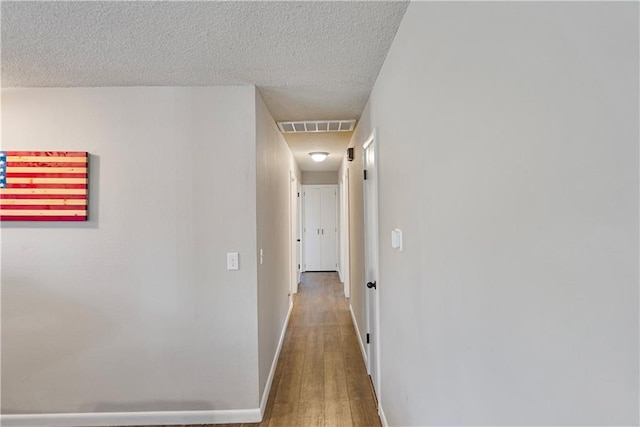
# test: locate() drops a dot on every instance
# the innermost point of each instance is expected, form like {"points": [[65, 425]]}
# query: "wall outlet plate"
{"points": [[233, 261]]}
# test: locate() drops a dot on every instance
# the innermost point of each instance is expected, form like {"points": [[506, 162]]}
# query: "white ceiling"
{"points": [[310, 60], [334, 143]]}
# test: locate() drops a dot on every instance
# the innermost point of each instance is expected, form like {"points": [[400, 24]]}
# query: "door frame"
{"points": [[344, 234], [294, 227], [372, 241], [299, 232]]}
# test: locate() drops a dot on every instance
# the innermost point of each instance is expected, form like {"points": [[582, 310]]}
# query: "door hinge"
{"points": [[298, 194], [365, 174], [367, 338], [298, 266]]}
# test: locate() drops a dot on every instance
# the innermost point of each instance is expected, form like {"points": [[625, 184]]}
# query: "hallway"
{"points": [[321, 378]]}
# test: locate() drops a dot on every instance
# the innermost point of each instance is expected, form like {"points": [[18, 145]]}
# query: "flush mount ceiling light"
{"points": [[317, 126], [319, 156]]}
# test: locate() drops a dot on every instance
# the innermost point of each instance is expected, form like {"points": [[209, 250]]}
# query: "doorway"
{"points": [[371, 259], [294, 209], [320, 229], [344, 233]]}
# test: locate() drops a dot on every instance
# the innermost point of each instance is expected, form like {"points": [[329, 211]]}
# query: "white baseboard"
{"points": [[131, 418], [383, 419], [355, 325], [274, 364]]}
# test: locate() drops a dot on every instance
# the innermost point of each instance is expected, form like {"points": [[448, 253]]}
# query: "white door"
{"points": [[328, 228], [371, 260], [312, 226], [320, 235]]}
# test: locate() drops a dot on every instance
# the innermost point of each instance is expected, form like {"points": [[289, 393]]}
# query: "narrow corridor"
{"points": [[321, 378]]}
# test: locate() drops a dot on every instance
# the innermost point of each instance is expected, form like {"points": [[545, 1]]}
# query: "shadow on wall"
{"points": [[41, 329], [93, 213]]}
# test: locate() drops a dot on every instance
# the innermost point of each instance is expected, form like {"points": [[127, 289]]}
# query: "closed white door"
{"points": [[320, 235], [312, 226], [328, 235]]}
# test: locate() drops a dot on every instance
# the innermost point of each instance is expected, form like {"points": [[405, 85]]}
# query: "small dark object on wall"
{"points": [[350, 154]]}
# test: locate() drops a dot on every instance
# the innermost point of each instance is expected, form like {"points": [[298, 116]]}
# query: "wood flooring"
{"points": [[320, 379]]}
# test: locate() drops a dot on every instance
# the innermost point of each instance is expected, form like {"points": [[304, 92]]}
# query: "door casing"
{"points": [[344, 234], [371, 248], [294, 220]]}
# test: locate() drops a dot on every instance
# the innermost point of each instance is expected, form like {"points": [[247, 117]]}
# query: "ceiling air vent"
{"points": [[317, 126]]}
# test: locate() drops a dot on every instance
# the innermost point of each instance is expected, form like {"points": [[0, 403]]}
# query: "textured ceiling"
{"points": [[310, 60]]}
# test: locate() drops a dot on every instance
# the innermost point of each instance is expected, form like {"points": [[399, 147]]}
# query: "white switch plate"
{"points": [[396, 239], [261, 256], [232, 261]]}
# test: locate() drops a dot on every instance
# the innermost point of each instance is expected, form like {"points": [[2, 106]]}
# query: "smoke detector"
{"points": [[317, 126]]}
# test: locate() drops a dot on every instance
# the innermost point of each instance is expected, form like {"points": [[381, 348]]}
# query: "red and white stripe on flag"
{"points": [[43, 185]]}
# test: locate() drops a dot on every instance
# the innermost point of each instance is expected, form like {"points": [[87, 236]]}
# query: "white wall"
{"points": [[274, 164], [319, 178], [508, 155], [357, 287], [135, 310]]}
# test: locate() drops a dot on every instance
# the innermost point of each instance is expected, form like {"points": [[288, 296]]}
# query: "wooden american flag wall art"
{"points": [[43, 185]]}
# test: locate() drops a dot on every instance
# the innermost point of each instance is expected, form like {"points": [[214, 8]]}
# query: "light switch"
{"points": [[396, 239], [232, 261], [261, 256]]}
